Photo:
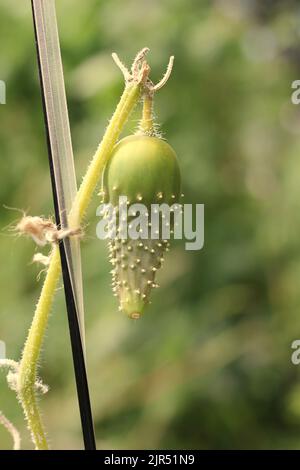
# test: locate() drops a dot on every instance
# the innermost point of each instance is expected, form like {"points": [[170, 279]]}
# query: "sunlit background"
{"points": [[209, 365]]}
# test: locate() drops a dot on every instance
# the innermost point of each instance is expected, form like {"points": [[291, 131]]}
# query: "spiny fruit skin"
{"points": [[144, 169]]}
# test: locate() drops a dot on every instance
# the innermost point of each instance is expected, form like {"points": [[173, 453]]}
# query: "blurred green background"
{"points": [[209, 365]]}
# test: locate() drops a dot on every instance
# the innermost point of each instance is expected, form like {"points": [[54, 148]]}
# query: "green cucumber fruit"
{"points": [[144, 169]]}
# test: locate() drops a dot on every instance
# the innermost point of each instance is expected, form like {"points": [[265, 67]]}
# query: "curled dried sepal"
{"points": [[44, 231], [41, 259], [13, 375], [37, 228], [166, 76], [140, 71], [121, 66]]}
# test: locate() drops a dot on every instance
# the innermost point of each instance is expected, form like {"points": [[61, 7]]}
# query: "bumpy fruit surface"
{"points": [[144, 169]]}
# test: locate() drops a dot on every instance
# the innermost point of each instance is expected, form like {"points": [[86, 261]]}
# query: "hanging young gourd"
{"points": [[143, 168]]}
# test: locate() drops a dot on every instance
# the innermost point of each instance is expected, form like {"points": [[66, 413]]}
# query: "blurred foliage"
{"points": [[209, 365]]}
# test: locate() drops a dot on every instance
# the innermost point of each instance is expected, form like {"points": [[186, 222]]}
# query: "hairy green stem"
{"points": [[29, 363], [146, 124]]}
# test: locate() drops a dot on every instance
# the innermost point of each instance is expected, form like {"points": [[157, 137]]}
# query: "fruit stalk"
{"points": [[146, 124]]}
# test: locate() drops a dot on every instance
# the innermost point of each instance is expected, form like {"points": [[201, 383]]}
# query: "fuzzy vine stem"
{"points": [[27, 374], [136, 83]]}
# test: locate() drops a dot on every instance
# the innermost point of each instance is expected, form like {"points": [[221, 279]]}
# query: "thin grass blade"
{"points": [[60, 139]]}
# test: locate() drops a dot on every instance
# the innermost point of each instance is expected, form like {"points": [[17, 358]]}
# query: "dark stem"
{"points": [[76, 343]]}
